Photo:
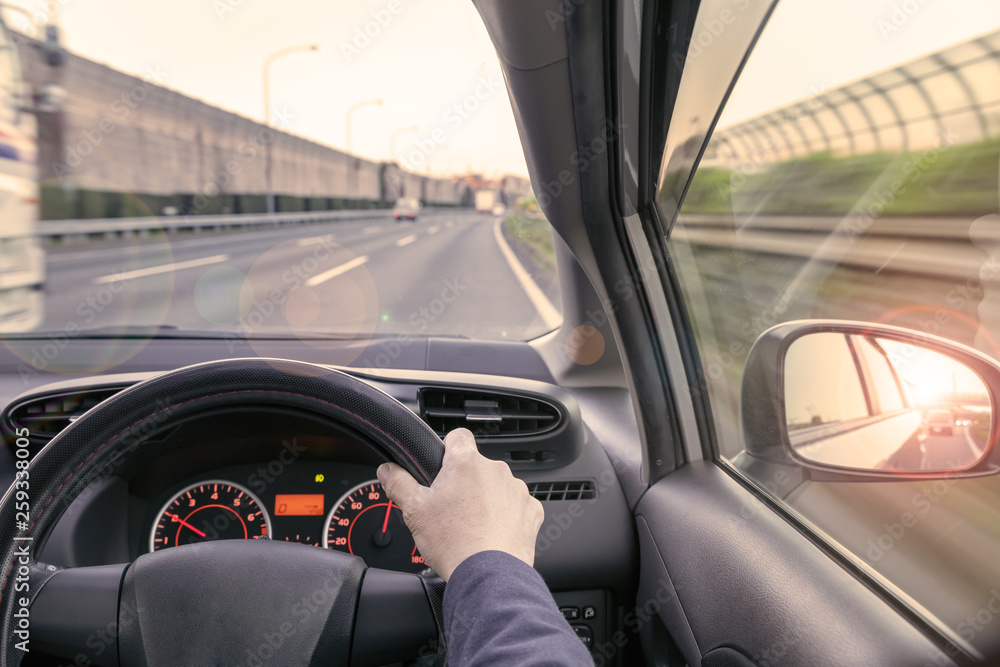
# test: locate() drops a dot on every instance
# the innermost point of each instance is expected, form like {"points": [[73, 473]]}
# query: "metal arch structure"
{"points": [[948, 84]]}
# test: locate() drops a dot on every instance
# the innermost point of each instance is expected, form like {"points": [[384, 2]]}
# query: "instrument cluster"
{"points": [[325, 504]]}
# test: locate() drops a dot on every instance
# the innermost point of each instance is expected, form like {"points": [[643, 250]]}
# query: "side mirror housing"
{"points": [[851, 401]]}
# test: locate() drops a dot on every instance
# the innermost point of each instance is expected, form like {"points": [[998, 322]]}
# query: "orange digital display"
{"points": [[298, 504]]}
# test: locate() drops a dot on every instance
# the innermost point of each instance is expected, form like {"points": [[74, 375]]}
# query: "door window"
{"points": [[853, 175]]}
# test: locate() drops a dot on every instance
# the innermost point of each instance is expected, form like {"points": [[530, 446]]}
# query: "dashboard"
{"points": [[271, 473]]}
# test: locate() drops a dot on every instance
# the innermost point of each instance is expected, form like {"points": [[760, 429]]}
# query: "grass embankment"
{"points": [[532, 235], [980, 431], [954, 180]]}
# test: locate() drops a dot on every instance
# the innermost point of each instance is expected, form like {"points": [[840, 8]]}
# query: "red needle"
{"points": [[185, 523], [385, 524]]}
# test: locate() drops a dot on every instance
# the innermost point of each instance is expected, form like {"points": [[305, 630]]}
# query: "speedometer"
{"points": [[207, 511], [364, 522]]}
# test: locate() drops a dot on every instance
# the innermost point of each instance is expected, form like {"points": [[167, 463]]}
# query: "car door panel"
{"points": [[722, 569]]}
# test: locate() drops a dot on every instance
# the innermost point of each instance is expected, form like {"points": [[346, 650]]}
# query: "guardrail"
{"points": [[951, 248], [903, 228], [81, 230]]}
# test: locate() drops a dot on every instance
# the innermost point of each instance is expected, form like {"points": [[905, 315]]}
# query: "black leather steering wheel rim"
{"points": [[103, 441]]}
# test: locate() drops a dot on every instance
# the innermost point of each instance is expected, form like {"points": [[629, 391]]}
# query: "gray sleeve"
{"points": [[498, 611]]}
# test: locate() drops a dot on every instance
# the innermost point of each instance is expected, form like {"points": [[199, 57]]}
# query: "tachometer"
{"points": [[364, 522], [211, 510]]}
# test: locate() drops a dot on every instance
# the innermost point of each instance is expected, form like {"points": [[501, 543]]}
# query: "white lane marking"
{"points": [[336, 271], [406, 240], [433, 230], [450, 223], [372, 230], [314, 240], [164, 268], [549, 313]]}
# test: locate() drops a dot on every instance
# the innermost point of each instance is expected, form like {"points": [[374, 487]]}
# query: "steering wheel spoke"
{"points": [[288, 604], [76, 614]]}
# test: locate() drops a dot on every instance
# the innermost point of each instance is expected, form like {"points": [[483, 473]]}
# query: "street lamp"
{"points": [[23, 12], [266, 76], [266, 72], [350, 113], [396, 133], [50, 46]]}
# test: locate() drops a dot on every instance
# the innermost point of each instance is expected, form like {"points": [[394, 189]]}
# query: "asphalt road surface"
{"points": [[448, 273]]}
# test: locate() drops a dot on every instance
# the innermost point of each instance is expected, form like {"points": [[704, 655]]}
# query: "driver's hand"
{"points": [[475, 504]]}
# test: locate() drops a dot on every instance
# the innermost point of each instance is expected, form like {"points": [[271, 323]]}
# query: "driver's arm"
{"points": [[476, 527]]}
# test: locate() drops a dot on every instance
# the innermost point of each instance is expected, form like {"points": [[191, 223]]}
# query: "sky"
{"points": [[422, 57], [812, 45]]}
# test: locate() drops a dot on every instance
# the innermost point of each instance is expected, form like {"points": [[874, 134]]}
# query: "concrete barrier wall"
{"points": [[124, 134]]}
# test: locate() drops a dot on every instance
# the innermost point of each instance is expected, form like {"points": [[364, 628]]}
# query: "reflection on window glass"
{"points": [[861, 187], [881, 379], [821, 382]]}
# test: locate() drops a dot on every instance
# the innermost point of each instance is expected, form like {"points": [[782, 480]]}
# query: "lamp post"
{"points": [[266, 73], [395, 134], [23, 12], [266, 86], [348, 118]]}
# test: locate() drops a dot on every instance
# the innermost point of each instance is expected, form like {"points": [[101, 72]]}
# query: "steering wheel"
{"points": [[251, 602]]}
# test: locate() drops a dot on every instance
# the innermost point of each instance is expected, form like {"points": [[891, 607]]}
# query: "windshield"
{"points": [[234, 172]]}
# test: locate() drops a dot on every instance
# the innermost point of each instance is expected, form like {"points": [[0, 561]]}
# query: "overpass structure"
{"points": [[950, 93], [124, 146]]}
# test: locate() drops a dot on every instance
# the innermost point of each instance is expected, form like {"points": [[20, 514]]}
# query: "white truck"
{"points": [[22, 259], [485, 200]]}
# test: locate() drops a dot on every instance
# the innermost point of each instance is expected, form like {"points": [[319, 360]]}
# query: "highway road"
{"points": [[937, 451], [449, 273]]}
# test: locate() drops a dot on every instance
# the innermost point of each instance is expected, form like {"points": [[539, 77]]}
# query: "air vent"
{"points": [[562, 490], [46, 415], [486, 414]]}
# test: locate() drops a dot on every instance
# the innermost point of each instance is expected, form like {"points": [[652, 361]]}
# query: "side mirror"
{"points": [[850, 401]]}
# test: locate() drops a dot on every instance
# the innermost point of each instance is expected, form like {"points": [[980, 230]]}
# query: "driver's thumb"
{"points": [[399, 485]]}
